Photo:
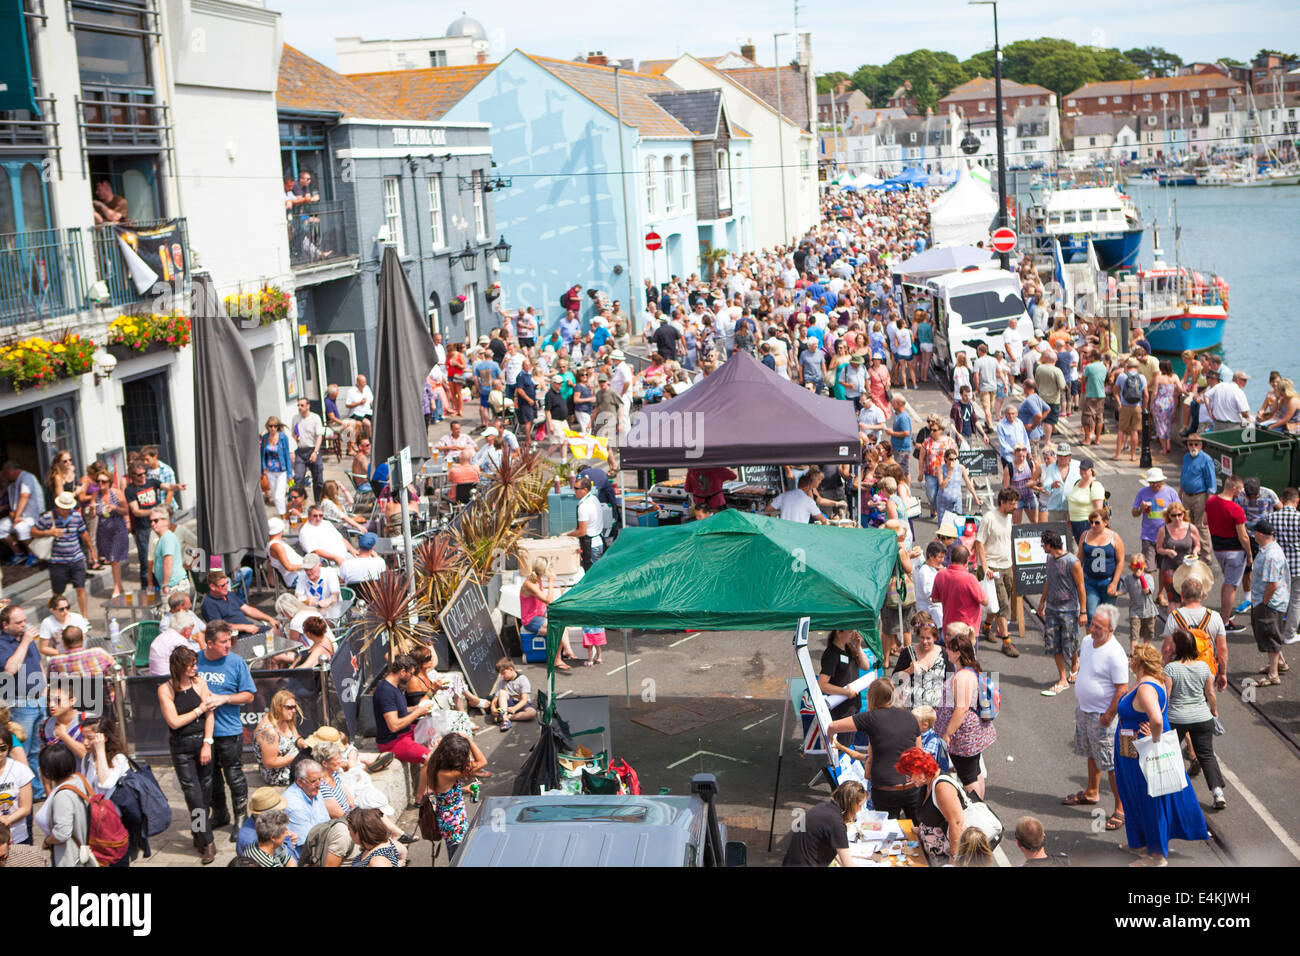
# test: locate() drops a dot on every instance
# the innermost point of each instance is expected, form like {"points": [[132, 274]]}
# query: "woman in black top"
{"points": [[825, 834], [890, 730], [840, 663], [187, 706], [942, 814]]}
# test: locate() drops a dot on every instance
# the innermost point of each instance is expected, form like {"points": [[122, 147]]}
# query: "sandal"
{"points": [[1281, 669], [1151, 861], [588, 663], [1077, 799], [563, 667], [1267, 681], [1114, 821], [1055, 689]]}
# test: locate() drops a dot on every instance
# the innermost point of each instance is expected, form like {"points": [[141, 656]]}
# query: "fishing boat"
{"points": [[1100, 215], [1183, 311]]}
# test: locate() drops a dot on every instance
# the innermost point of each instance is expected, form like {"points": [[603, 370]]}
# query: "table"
{"points": [[137, 605], [508, 602], [247, 646], [915, 856]]}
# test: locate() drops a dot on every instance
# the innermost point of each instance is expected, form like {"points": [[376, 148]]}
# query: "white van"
{"points": [[969, 307]]}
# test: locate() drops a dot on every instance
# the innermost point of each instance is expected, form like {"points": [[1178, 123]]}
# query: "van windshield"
{"points": [[571, 813], [987, 311]]}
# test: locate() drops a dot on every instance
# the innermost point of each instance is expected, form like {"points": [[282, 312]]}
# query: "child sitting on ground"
{"points": [[514, 701], [931, 742], [1141, 586]]}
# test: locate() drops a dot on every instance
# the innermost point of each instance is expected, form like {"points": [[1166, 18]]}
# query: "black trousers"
{"points": [[227, 760], [899, 804], [142, 552], [1202, 735], [302, 464], [195, 779]]}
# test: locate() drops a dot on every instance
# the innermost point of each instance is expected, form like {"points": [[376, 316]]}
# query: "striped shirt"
{"points": [[281, 857], [67, 546], [1286, 531]]}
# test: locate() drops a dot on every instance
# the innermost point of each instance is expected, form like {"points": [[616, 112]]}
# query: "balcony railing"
{"points": [[41, 275], [122, 118], [317, 234], [111, 267]]}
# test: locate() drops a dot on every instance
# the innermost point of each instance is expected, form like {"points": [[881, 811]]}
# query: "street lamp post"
{"points": [[780, 139], [997, 92]]}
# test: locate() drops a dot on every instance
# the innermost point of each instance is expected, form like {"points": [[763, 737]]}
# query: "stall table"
{"points": [[136, 605]]}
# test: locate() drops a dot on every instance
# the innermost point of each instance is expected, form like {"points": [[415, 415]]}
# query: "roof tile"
{"points": [[304, 84], [425, 94]]}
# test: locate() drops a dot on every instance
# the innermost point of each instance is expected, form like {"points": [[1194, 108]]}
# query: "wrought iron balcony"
{"points": [[111, 267], [42, 275]]}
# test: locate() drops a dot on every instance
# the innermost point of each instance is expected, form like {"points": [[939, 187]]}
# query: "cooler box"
{"points": [[563, 511], [643, 519], [533, 646], [563, 553]]}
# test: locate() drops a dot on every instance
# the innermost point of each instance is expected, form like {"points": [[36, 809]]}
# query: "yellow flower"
{"points": [[58, 348]]}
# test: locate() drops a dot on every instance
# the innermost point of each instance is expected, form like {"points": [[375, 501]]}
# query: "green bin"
{"points": [[1270, 456]]}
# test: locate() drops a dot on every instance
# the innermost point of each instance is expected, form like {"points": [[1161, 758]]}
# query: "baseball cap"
{"points": [[368, 540], [274, 526], [617, 355], [490, 432], [1264, 526]]}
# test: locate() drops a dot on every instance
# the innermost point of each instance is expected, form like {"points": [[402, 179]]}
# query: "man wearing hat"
{"points": [[67, 557], [487, 375], [365, 565], [853, 378], [1270, 594], [360, 404], [1150, 505], [1197, 481], [488, 458], [264, 800], [1060, 472]]}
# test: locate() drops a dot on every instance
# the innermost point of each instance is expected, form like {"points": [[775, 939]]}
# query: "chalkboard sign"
{"points": [[468, 625], [980, 462], [1028, 556], [769, 475]]}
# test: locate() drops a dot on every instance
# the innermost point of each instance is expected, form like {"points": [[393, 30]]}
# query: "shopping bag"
{"points": [[991, 592], [1161, 764]]}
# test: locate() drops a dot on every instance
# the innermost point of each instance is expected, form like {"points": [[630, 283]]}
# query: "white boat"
{"points": [[1219, 176], [1100, 215], [1271, 177]]}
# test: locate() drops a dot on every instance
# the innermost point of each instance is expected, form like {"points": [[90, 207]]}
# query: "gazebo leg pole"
{"points": [[780, 758], [627, 681]]}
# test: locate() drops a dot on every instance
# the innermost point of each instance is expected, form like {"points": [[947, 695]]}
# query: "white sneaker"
{"points": [[1219, 801], [1293, 639]]}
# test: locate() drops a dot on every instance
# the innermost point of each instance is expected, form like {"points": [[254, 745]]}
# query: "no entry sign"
{"points": [[1003, 240], [653, 241]]}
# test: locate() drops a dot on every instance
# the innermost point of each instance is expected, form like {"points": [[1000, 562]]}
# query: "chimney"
{"points": [[480, 56], [749, 51], [597, 59]]}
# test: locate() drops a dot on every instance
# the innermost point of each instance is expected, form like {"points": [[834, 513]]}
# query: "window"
{"points": [[1194, 94], [984, 107], [480, 214], [669, 184], [437, 57], [1028, 144], [739, 178], [1072, 103], [117, 54], [435, 314], [1146, 96], [1101, 100], [393, 212], [1092, 141], [651, 187], [1151, 120], [724, 180], [302, 149], [1085, 215], [688, 182], [471, 311], [436, 232]]}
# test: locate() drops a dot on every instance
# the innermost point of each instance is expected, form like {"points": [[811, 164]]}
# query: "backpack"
{"points": [[106, 836], [312, 851], [1204, 643], [1131, 391], [626, 775], [976, 812]]}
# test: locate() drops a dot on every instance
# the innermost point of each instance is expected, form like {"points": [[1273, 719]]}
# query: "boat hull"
{"points": [[1194, 331], [1293, 180], [1115, 250]]}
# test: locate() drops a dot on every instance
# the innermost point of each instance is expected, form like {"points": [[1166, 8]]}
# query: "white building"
{"points": [[1103, 138], [465, 44], [172, 106]]}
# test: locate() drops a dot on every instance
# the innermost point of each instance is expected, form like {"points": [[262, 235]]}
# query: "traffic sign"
{"points": [[653, 241], [1003, 240]]}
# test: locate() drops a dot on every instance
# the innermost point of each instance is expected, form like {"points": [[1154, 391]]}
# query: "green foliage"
{"points": [[1229, 61], [828, 81], [1154, 60], [1285, 56], [867, 79]]}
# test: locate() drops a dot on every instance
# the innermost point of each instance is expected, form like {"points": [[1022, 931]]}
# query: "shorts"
{"points": [[1130, 418], [889, 618], [927, 346], [967, 768], [1061, 633], [1053, 414], [1142, 630], [1267, 625], [1093, 740], [902, 357], [20, 529], [1001, 391], [484, 395], [62, 574], [1092, 410], [1233, 566], [527, 342], [1004, 581]]}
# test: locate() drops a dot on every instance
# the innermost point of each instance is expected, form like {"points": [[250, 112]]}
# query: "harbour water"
{"points": [[1251, 237]]}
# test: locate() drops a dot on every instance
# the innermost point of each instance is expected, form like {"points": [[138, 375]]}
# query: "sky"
{"points": [[846, 33]]}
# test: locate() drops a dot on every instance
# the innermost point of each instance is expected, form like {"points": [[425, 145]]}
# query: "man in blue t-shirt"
{"points": [[24, 690], [900, 434], [228, 678], [394, 721], [487, 374]]}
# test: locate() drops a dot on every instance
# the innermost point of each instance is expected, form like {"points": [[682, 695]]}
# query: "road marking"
{"points": [[1000, 857], [689, 637], [705, 753], [757, 722], [564, 695], [1255, 804], [635, 660]]}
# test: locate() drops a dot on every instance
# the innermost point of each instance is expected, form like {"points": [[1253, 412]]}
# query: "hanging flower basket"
{"points": [[34, 362], [493, 292], [457, 304], [268, 304], [142, 333]]}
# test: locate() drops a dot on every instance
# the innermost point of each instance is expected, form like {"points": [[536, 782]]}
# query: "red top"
{"points": [[1223, 515], [960, 594], [705, 485]]}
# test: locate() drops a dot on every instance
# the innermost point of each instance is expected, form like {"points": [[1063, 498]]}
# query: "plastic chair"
{"points": [[145, 632]]}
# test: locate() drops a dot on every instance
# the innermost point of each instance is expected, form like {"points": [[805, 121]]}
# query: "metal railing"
{"points": [[111, 267], [41, 275], [317, 233], [122, 117]]}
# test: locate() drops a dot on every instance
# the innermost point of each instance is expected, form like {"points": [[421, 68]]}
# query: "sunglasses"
{"points": [[1096, 522], [62, 607], [290, 706]]}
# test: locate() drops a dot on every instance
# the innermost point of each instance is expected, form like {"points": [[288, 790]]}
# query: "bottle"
{"points": [[114, 632], [474, 789]]}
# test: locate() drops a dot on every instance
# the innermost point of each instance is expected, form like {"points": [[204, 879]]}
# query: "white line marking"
{"points": [[564, 695], [999, 856], [635, 660], [757, 722], [705, 753], [1269, 820], [689, 637]]}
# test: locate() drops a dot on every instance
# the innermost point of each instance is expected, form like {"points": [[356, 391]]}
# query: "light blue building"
{"points": [[554, 125]]}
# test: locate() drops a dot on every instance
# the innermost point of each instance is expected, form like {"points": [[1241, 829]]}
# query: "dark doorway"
{"points": [[146, 415]]}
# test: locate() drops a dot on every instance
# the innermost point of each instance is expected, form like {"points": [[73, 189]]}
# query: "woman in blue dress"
{"points": [[1150, 822]]}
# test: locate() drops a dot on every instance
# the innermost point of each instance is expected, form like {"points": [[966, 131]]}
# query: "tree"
{"points": [[1278, 53], [932, 73], [1154, 60], [1229, 61], [827, 82], [1114, 65], [867, 79]]}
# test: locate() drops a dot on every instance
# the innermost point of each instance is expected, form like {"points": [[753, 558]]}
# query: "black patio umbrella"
{"points": [[231, 519], [404, 354]]}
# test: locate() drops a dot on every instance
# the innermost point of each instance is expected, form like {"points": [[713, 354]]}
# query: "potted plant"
{"points": [[457, 304], [493, 292], [268, 304], [388, 609], [136, 334], [711, 260], [34, 362]]}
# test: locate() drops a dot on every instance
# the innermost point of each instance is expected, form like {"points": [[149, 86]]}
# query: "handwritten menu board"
{"points": [[980, 462], [1028, 557], [468, 626], [769, 475]]}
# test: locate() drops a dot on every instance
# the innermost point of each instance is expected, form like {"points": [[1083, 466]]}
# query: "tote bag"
{"points": [[1161, 763]]}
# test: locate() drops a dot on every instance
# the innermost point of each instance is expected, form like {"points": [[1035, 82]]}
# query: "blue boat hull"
{"points": [[1179, 333], [1115, 250]]}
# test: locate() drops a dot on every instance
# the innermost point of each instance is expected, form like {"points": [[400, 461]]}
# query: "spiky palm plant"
{"points": [[439, 566], [485, 533], [389, 609]]}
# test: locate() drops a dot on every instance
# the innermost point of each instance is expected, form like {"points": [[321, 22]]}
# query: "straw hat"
{"points": [[1197, 568], [324, 734], [66, 501], [264, 799]]}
